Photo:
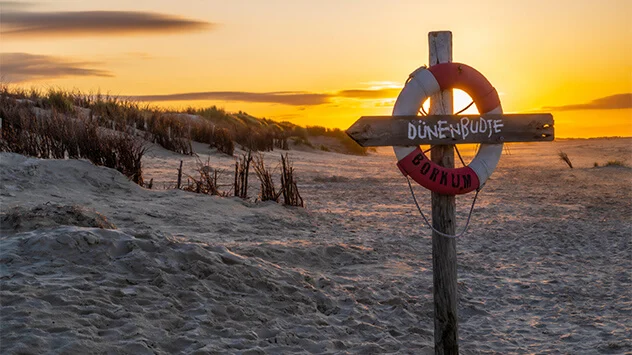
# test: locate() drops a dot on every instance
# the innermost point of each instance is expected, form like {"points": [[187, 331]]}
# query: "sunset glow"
{"points": [[327, 62]]}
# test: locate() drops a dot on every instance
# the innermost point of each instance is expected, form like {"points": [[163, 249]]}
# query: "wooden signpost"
{"points": [[374, 131], [442, 130]]}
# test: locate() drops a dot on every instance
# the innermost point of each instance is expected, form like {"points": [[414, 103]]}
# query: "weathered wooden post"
{"points": [[179, 184], [443, 218]]}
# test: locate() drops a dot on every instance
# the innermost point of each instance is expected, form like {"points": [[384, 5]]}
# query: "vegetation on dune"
{"points": [[564, 157], [51, 134], [349, 144], [615, 163], [207, 182], [242, 167], [174, 130], [289, 189], [113, 132], [267, 192]]}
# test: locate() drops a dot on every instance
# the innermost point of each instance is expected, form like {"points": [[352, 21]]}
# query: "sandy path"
{"points": [[545, 267]]}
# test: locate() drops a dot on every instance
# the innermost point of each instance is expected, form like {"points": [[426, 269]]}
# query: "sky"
{"points": [[327, 62]]}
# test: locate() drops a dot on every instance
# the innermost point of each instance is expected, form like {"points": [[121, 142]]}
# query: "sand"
{"points": [[92, 263]]}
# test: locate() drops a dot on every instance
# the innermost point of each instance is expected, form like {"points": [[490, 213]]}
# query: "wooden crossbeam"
{"points": [[375, 131]]}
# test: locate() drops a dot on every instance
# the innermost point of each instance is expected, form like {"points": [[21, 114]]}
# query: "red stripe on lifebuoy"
{"points": [[468, 79], [436, 178]]}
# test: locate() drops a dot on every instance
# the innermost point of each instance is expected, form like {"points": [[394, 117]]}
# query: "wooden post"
{"points": [[443, 218], [179, 176]]}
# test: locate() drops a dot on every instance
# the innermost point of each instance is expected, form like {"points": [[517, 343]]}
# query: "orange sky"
{"points": [[328, 62]]}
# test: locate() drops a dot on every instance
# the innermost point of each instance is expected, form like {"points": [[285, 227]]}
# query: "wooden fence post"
{"points": [[443, 218], [179, 176]]}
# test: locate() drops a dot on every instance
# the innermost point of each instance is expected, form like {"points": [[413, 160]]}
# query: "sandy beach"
{"points": [[92, 263]]}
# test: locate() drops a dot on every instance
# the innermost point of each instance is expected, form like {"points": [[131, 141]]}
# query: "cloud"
{"points": [[16, 24], [294, 98], [12, 5], [370, 94], [20, 67], [138, 55], [619, 101]]}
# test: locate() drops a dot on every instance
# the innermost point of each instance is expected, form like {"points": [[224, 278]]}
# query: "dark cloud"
{"points": [[294, 98], [612, 102], [94, 23], [280, 97], [370, 94], [19, 67]]}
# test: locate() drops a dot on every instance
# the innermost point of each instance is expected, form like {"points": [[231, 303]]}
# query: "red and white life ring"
{"points": [[412, 161]]}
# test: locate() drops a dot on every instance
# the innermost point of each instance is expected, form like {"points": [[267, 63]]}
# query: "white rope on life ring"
{"points": [[412, 161]]}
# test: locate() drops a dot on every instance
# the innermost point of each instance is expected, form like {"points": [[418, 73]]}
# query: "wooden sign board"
{"points": [[375, 131]]}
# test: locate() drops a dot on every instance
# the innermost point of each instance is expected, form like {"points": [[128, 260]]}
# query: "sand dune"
{"points": [[92, 263]]}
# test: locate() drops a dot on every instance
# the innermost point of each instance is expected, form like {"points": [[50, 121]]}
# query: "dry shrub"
{"points": [[333, 178], [268, 191], [128, 151], [124, 115], [565, 159], [222, 139], [615, 163], [113, 112], [291, 196], [350, 146], [216, 137], [58, 100], [16, 122], [55, 135], [207, 182], [302, 141], [202, 131], [281, 143], [242, 168], [170, 132], [257, 140]]}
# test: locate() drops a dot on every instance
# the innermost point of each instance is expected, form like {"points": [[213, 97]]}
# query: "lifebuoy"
{"points": [[425, 82]]}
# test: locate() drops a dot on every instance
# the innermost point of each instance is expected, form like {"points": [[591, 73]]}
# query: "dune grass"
{"points": [[112, 131], [615, 163], [242, 168], [207, 181], [174, 130], [564, 157], [51, 134], [289, 189], [612, 163], [267, 191]]}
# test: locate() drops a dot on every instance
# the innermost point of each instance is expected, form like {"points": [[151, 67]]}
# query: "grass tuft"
{"points": [[564, 157], [242, 168], [208, 180], [268, 191], [291, 196], [615, 163]]}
